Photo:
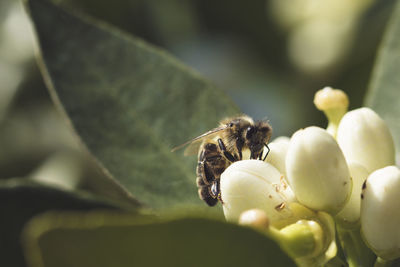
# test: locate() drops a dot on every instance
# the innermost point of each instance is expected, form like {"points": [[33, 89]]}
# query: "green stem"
{"points": [[334, 116], [357, 253]]}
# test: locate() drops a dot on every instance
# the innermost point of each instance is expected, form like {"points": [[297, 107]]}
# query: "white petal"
{"points": [[254, 184], [277, 154], [380, 212], [365, 138], [255, 218], [351, 211], [317, 171]]}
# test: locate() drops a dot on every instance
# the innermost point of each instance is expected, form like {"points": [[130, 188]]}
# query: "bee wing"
{"points": [[193, 148], [195, 143]]}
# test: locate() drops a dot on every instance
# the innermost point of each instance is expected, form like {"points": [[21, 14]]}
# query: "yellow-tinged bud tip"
{"points": [[329, 98], [255, 218]]}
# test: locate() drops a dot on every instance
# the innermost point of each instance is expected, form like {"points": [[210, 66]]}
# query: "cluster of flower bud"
{"points": [[346, 171]]}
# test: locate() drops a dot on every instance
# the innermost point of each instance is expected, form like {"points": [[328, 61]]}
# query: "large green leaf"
{"points": [[384, 91], [128, 101], [104, 239], [21, 199]]}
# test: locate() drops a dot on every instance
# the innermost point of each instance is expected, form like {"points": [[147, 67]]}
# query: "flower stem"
{"points": [[356, 251], [334, 103]]}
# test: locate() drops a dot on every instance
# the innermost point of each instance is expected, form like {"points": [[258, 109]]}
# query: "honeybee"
{"points": [[223, 145]]}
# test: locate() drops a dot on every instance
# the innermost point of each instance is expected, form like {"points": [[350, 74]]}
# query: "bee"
{"points": [[220, 147]]}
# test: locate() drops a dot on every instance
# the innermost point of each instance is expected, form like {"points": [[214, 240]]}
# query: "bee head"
{"points": [[257, 136]]}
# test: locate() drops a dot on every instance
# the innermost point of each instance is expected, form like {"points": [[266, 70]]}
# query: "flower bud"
{"points": [[328, 99], [254, 184], [309, 242], [380, 212], [334, 103], [317, 171], [255, 218], [365, 138], [302, 239], [350, 214], [277, 154]]}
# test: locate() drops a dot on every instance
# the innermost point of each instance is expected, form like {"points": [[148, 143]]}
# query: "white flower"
{"points": [[317, 171], [254, 184], [380, 212], [351, 212], [334, 103], [310, 242], [255, 218], [328, 99], [365, 138], [277, 153]]}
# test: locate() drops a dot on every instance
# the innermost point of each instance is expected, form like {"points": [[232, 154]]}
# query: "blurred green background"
{"points": [[269, 56]]}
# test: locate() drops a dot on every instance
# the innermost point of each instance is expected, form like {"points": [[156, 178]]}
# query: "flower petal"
{"points": [[365, 138], [380, 212], [351, 211], [254, 184], [277, 154], [317, 170]]}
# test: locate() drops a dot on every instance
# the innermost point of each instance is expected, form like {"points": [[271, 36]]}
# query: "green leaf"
{"points": [[128, 101], [384, 90], [21, 199], [101, 239]]}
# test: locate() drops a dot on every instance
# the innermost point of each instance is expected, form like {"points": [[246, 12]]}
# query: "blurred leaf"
{"points": [[28, 135], [104, 239], [129, 102], [21, 199], [384, 90]]}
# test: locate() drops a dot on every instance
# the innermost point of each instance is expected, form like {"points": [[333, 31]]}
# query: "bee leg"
{"points": [[227, 154], [267, 152], [239, 147]]}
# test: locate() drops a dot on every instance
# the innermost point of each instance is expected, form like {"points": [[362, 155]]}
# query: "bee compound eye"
{"points": [[266, 129], [249, 132]]}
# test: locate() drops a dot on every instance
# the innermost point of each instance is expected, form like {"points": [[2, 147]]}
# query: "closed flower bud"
{"points": [[254, 184], [302, 239], [380, 212], [328, 99], [317, 171], [334, 103], [350, 214], [277, 153], [255, 218], [365, 138], [309, 242]]}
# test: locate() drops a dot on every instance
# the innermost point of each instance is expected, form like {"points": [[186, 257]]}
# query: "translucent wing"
{"points": [[195, 143], [193, 148]]}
